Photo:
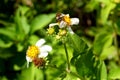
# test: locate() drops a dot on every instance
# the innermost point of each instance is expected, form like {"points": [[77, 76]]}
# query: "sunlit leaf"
{"points": [[103, 72], [24, 9], [114, 74], [102, 41], [105, 11], [105, 1], [41, 21], [69, 77], [108, 52], [25, 25]]}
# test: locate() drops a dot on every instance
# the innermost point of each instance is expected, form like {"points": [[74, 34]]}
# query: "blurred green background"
{"points": [[23, 22]]}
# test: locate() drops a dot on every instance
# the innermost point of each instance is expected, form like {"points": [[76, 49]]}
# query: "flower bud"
{"points": [[62, 32], [50, 30]]}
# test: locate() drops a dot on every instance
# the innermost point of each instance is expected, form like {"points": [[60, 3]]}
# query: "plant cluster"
{"points": [[59, 39]]}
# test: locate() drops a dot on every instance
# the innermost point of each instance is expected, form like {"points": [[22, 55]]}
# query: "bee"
{"points": [[59, 17]]}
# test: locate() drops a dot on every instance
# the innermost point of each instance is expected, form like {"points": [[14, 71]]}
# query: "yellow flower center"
{"points": [[67, 20], [32, 51]]}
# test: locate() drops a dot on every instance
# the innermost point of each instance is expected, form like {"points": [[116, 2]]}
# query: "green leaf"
{"points": [[24, 9], [105, 1], [33, 39], [3, 78], [41, 21], [27, 74], [20, 47], [103, 72], [18, 20], [105, 12], [39, 74], [7, 32], [77, 43], [4, 44], [84, 64], [114, 74], [93, 4], [102, 41], [31, 73], [25, 25], [22, 27], [108, 52], [70, 76]]}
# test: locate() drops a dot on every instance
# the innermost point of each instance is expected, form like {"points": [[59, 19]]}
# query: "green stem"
{"points": [[68, 63], [44, 74]]}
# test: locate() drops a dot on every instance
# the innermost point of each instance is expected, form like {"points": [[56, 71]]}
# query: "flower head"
{"points": [[36, 53], [64, 21]]}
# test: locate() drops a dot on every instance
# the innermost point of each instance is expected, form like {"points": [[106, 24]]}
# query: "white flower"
{"points": [[65, 21], [37, 51]]}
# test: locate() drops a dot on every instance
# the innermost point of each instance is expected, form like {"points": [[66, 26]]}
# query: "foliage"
{"points": [[93, 51]]}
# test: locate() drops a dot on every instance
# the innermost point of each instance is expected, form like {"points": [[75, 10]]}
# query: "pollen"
{"points": [[67, 20], [33, 51]]}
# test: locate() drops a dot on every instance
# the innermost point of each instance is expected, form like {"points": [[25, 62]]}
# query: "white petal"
{"points": [[43, 54], [45, 48], [70, 30], [62, 15], [40, 42], [74, 21], [67, 15], [28, 60], [62, 24], [53, 24]]}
